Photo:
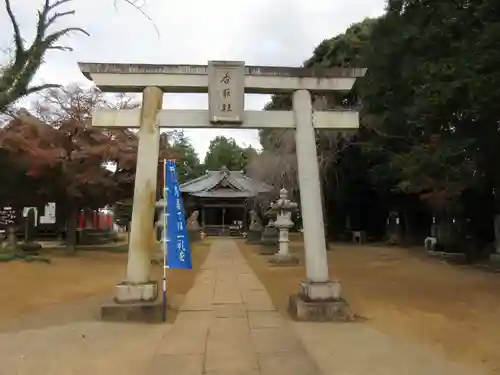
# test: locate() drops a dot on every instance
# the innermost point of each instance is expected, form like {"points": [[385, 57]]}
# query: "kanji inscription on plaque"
{"points": [[226, 91]]}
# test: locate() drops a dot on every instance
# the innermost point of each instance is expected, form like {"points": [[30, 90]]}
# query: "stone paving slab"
{"points": [[265, 319], [249, 282], [229, 311], [200, 297], [187, 335], [275, 340], [258, 300]]}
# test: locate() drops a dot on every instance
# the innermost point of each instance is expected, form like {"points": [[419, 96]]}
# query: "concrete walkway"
{"points": [[228, 325]]}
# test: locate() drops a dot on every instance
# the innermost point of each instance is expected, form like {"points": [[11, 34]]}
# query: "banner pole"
{"points": [[165, 243]]}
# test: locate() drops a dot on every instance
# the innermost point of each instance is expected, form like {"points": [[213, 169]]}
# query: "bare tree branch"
{"points": [[40, 88], [16, 77], [18, 74], [137, 7], [18, 40]]}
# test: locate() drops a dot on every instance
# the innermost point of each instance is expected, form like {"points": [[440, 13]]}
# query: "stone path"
{"points": [[227, 326]]}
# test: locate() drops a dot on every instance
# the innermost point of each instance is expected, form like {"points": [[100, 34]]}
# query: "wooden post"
{"points": [[223, 218]]}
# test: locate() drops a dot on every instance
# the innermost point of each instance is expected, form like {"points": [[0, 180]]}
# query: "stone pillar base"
{"points": [[319, 311], [325, 291], [284, 260], [127, 293], [495, 259], [134, 302], [141, 312], [319, 302]]}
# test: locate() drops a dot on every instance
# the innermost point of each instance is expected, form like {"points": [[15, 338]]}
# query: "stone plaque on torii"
{"points": [[226, 82], [226, 92]]}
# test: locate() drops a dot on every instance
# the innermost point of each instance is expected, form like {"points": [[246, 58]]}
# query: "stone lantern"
{"points": [[159, 226], [284, 208], [160, 219]]}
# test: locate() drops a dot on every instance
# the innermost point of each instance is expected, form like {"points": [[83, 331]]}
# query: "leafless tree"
{"points": [[278, 166], [17, 74]]}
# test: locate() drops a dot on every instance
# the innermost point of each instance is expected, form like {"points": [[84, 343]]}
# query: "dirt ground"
{"points": [[454, 309], [70, 284]]}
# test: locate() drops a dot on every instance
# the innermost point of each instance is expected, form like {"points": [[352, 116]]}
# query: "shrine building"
{"points": [[222, 199]]}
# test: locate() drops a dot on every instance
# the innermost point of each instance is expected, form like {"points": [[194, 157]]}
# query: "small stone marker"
{"points": [[193, 227], [158, 253], [255, 228], [270, 236], [30, 231]]}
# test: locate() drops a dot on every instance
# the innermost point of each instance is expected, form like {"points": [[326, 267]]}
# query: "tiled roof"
{"points": [[224, 184]]}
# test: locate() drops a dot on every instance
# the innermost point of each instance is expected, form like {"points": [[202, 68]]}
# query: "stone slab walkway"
{"points": [[227, 326]]}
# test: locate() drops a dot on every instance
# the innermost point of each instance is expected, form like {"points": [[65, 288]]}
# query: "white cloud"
{"points": [[260, 32]]}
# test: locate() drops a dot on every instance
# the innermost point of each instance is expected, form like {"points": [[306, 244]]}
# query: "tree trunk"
{"points": [[71, 228], [447, 231], [496, 227]]}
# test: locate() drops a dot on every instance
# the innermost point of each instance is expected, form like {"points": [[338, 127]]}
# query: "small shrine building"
{"points": [[222, 200]]}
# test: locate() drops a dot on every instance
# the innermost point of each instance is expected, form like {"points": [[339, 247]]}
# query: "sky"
{"points": [[259, 32]]}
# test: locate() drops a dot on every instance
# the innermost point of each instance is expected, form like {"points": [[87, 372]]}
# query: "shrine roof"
{"points": [[224, 184]]}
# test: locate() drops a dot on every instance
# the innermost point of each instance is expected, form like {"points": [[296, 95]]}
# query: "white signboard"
{"points": [[49, 214], [226, 91]]}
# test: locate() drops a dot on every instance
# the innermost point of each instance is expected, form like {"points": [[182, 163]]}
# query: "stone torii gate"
{"points": [[226, 83]]}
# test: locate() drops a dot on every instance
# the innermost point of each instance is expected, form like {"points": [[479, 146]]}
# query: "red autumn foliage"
{"points": [[68, 157]]}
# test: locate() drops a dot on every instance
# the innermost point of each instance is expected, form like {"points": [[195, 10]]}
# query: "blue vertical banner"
{"points": [[177, 242]]}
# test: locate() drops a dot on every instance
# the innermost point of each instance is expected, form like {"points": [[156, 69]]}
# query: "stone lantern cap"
{"points": [[283, 203]]}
